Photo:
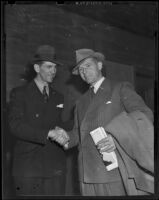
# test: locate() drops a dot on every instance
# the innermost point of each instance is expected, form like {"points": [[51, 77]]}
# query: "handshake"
{"points": [[60, 136]]}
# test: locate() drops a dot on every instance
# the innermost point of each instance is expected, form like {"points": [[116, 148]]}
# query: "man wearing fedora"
{"points": [[104, 101], [39, 165]]}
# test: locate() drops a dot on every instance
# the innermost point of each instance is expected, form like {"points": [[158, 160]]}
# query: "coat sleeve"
{"points": [[74, 134], [132, 101], [18, 123]]}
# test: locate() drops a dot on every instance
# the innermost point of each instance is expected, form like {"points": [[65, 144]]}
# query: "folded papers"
{"points": [[109, 159]]}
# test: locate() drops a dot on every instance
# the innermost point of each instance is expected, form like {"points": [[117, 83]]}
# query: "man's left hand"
{"points": [[106, 144]]}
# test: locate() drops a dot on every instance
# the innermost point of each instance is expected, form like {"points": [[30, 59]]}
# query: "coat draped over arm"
{"points": [[133, 134]]}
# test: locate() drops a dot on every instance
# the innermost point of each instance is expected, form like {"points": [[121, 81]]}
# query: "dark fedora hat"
{"points": [[83, 54], [45, 53]]}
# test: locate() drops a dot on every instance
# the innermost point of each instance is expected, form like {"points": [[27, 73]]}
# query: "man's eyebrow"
{"points": [[84, 65]]}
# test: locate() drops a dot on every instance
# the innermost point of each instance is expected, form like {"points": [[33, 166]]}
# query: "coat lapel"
{"points": [[33, 92], [103, 95], [94, 112], [51, 93], [83, 106]]}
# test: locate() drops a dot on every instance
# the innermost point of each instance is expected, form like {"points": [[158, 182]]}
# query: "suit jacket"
{"points": [[111, 99], [134, 138], [30, 120]]}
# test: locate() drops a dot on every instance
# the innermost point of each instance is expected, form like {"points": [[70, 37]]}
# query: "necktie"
{"points": [[46, 97], [92, 93]]}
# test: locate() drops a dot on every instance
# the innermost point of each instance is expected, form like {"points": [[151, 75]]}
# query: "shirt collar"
{"points": [[41, 85], [98, 84]]}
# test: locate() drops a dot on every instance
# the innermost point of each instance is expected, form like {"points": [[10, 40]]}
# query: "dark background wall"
{"points": [[28, 26]]}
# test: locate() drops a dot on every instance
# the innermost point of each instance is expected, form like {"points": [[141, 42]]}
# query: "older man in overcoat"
{"points": [[104, 100]]}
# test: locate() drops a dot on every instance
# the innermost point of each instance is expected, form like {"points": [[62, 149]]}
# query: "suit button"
{"points": [[37, 115]]}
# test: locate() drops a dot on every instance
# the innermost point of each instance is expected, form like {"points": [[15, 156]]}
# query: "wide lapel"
{"points": [[83, 105], [52, 92], [33, 91], [36, 97], [102, 96]]}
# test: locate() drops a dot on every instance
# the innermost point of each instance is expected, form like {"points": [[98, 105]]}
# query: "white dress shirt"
{"points": [[98, 84], [41, 85]]}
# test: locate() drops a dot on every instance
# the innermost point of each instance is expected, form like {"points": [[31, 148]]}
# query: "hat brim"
{"points": [[97, 55], [53, 61]]}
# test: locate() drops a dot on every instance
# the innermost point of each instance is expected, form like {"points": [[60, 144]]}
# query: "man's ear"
{"points": [[37, 68], [100, 65]]}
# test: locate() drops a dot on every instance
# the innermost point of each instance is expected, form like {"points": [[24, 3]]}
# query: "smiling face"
{"points": [[46, 71], [90, 70]]}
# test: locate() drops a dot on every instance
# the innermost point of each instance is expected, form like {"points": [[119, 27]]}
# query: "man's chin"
{"points": [[50, 80], [88, 81]]}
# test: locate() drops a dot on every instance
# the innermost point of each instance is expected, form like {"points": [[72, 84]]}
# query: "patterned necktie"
{"points": [[46, 97]]}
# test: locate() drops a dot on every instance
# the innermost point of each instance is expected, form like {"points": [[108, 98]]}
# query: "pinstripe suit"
{"points": [[89, 115]]}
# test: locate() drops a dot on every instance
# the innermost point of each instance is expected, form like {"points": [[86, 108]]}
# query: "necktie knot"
{"points": [[46, 97]]}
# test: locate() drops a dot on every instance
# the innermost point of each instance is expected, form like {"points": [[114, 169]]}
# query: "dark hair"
{"points": [[29, 72]]}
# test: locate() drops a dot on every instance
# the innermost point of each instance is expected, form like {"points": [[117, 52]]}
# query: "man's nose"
{"points": [[84, 70], [53, 70]]}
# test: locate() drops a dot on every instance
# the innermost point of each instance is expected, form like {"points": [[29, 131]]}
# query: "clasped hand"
{"points": [[106, 144], [59, 135]]}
